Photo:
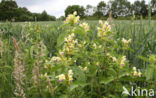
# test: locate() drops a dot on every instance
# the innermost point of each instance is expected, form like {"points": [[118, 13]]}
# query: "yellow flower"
{"points": [[97, 63], [100, 22], [126, 42], [85, 69], [72, 19], [122, 62], [61, 77], [70, 75], [75, 13], [114, 59], [61, 53], [135, 73], [70, 72], [108, 54], [85, 26], [103, 29], [70, 78], [80, 67], [56, 59], [139, 73], [70, 43], [134, 68]]}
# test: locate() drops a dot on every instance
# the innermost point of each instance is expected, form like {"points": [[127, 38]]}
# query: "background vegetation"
{"points": [[121, 9]]}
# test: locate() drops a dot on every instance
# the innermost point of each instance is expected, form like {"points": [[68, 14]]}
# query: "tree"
{"points": [[70, 9], [44, 16], [61, 18], [23, 14], [89, 10], [137, 7], [144, 9], [101, 7], [153, 3], [8, 9], [140, 8], [120, 8]]}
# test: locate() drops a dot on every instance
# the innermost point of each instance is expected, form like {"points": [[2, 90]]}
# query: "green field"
{"points": [[27, 47]]}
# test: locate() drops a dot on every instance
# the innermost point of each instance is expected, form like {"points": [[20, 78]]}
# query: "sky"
{"points": [[56, 7]]}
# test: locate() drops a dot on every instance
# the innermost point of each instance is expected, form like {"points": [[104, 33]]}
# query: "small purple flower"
{"points": [[60, 80]]}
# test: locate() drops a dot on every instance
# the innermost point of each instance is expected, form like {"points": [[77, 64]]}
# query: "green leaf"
{"points": [[107, 80], [63, 96], [79, 30], [60, 39], [73, 86], [79, 74], [143, 58], [149, 72]]}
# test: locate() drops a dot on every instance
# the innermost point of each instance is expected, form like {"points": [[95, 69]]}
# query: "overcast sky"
{"points": [[55, 7]]}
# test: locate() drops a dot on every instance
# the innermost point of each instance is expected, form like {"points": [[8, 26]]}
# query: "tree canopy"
{"points": [[9, 10], [70, 9]]}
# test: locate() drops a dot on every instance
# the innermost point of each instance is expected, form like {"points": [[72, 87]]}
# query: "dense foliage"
{"points": [[76, 59], [9, 10], [70, 9], [121, 9]]}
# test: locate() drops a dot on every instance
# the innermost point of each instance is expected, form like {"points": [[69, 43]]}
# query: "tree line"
{"points": [[10, 11], [119, 8]]}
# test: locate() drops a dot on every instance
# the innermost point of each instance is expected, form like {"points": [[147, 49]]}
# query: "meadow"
{"points": [[66, 60]]}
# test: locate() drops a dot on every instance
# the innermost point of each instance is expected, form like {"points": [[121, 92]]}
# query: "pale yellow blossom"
{"points": [[72, 19], [61, 77], [85, 26], [103, 29]]}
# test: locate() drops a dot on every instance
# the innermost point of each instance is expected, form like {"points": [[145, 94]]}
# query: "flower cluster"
{"points": [[95, 46], [85, 26], [122, 62], [102, 31], [83, 69], [72, 19], [70, 75], [62, 77], [56, 59], [70, 43], [112, 57], [126, 42], [136, 73]]}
